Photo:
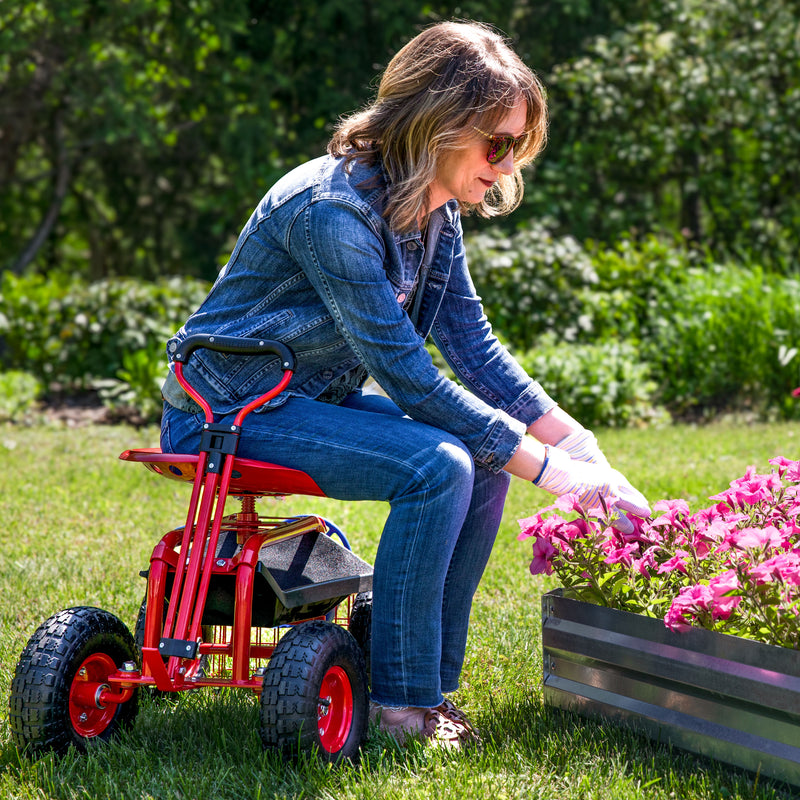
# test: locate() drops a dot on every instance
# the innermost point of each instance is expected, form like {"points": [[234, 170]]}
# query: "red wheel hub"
{"points": [[88, 715], [335, 709]]}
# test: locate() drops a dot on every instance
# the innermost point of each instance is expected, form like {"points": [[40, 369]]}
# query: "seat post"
{"points": [[246, 519]]}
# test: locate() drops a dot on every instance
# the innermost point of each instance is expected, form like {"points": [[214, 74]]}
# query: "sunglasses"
{"points": [[499, 146]]}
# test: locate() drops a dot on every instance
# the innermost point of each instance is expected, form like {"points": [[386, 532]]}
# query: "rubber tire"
{"points": [[138, 631], [39, 704], [361, 628], [290, 707]]}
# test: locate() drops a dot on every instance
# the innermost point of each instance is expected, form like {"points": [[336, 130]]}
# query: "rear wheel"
{"points": [[314, 695], [55, 695], [361, 628]]}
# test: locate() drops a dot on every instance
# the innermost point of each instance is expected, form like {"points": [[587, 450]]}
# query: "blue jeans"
{"points": [[443, 520]]}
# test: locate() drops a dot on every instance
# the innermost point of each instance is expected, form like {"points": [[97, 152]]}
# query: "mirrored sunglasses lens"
{"points": [[498, 149]]}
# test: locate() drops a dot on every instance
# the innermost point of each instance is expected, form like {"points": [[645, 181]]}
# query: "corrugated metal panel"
{"points": [[725, 697]]}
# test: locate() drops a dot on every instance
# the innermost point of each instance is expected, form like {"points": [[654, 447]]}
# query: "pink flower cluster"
{"points": [[732, 567]]}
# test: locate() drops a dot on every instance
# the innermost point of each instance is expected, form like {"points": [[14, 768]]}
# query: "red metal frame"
{"points": [[188, 554]]}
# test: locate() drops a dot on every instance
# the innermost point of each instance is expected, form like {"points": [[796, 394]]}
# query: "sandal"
{"points": [[449, 734], [459, 718], [403, 724]]}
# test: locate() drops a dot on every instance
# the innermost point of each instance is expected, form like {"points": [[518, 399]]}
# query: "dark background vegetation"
{"points": [[650, 274]]}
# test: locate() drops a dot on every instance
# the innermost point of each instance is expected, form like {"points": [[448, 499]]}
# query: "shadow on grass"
{"points": [[202, 744], [567, 743]]}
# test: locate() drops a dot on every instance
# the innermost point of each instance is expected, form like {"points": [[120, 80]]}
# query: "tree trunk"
{"points": [[63, 174]]}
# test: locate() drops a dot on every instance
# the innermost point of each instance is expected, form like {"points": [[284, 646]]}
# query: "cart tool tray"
{"points": [[312, 567]]}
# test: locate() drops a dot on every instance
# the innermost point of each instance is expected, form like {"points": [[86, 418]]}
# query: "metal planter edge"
{"points": [[717, 695]]}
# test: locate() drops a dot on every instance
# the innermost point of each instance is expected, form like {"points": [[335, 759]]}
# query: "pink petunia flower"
{"points": [[576, 529], [690, 601], [750, 489], [786, 468], [721, 565], [677, 562], [543, 552], [673, 510], [783, 567], [722, 588], [569, 503], [647, 562], [538, 525], [753, 538], [620, 554]]}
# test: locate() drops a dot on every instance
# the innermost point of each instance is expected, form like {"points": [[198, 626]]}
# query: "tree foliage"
{"points": [[136, 137], [108, 127], [689, 121]]}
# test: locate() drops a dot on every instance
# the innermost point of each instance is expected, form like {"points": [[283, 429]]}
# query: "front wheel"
{"points": [[314, 694], [55, 694]]}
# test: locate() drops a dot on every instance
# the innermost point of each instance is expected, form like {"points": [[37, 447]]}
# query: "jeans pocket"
{"points": [[180, 430]]}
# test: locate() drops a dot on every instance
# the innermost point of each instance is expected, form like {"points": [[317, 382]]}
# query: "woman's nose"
{"points": [[506, 166]]}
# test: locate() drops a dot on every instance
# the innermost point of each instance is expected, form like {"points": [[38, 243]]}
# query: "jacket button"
{"points": [[412, 245]]}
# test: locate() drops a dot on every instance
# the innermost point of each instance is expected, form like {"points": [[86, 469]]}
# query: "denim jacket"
{"points": [[318, 268]]}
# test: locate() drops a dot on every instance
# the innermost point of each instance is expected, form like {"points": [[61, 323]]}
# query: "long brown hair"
{"points": [[448, 78]]}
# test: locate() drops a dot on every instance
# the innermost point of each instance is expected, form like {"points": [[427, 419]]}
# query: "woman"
{"points": [[353, 260]]}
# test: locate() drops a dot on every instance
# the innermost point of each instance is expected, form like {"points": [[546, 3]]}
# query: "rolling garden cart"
{"points": [[277, 606]]}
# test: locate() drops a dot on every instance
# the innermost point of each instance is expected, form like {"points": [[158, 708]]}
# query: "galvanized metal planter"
{"points": [[721, 696]]}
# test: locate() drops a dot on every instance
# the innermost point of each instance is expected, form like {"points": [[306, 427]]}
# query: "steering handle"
{"points": [[233, 345]]}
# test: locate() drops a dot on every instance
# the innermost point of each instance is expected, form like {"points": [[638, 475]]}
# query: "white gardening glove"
{"points": [[589, 482], [582, 446]]}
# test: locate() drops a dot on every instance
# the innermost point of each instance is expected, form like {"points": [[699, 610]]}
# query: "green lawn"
{"points": [[79, 525]]}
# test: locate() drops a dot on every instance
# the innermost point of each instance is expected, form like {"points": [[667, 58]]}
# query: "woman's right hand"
{"points": [[590, 482]]}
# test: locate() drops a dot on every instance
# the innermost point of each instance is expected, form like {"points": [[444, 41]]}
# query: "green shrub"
{"points": [[70, 334], [716, 337], [615, 333], [723, 339], [604, 384], [531, 282], [632, 278], [19, 392], [135, 393]]}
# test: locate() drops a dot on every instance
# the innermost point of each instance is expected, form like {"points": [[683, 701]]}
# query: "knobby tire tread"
{"points": [[39, 700], [290, 691], [361, 628]]}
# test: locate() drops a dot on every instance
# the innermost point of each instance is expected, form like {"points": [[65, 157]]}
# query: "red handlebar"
{"points": [[235, 346]]}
